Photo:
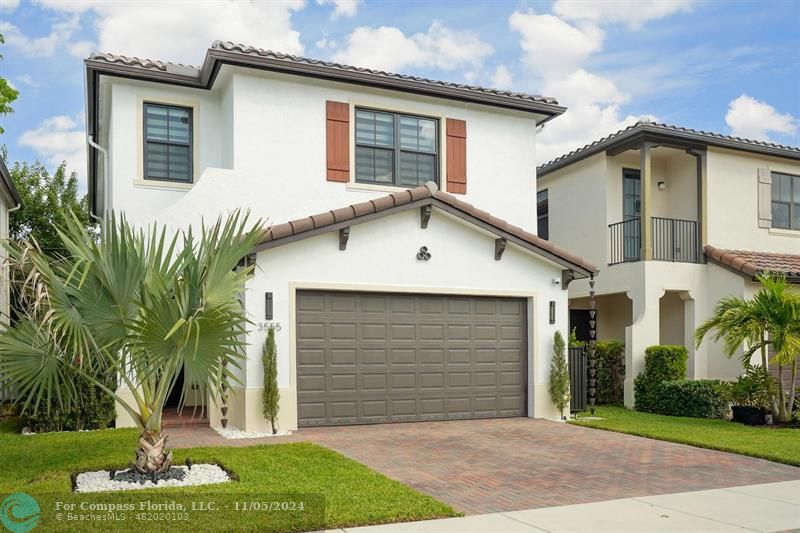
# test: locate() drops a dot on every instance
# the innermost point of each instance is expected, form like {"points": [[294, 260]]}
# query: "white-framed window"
{"points": [[168, 143], [785, 201]]}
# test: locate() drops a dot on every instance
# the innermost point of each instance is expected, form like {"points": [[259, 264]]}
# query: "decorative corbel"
{"points": [[425, 215], [344, 235], [499, 248], [567, 277]]}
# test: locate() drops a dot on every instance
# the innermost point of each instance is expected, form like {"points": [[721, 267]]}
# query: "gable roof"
{"points": [[645, 130], [751, 264], [8, 184], [404, 200], [229, 53]]}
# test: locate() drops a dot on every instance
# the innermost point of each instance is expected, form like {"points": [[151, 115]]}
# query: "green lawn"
{"points": [[354, 494], [780, 445]]}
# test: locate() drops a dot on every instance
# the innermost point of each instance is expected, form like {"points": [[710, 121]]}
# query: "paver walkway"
{"points": [[486, 466]]}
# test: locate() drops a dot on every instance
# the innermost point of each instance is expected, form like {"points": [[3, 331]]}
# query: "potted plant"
{"points": [[751, 395]]}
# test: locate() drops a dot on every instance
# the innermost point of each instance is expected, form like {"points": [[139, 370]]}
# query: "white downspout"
{"points": [[106, 181]]}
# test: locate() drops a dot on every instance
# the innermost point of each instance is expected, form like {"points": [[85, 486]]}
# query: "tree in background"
{"points": [[271, 393], [7, 94], [559, 374], [48, 200]]}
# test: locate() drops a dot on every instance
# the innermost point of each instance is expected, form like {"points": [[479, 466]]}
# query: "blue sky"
{"points": [[730, 67]]}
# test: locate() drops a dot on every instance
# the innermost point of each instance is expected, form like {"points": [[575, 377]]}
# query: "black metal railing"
{"points": [[675, 240], [578, 391], [626, 241]]}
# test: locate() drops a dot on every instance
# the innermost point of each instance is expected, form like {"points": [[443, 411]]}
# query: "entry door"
{"points": [[631, 213], [365, 358]]}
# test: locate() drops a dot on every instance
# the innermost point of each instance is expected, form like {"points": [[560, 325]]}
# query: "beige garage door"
{"points": [[365, 358]]}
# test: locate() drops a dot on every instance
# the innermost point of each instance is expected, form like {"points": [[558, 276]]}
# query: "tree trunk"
{"points": [[793, 390], [765, 365], [783, 416], [152, 455]]}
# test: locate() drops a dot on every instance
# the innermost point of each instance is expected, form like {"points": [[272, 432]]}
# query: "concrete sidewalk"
{"points": [[767, 507]]}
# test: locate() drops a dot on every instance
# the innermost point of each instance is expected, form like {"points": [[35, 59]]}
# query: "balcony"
{"points": [[673, 240]]}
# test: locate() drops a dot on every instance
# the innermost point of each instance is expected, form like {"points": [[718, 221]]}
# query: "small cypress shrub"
{"points": [[271, 393], [559, 374], [661, 363]]}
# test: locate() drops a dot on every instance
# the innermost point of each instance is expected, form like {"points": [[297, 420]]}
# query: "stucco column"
{"points": [[693, 370], [647, 201], [643, 332]]}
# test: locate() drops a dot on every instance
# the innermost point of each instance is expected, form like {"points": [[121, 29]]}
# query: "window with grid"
{"points": [[167, 143], [785, 201], [395, 149]]}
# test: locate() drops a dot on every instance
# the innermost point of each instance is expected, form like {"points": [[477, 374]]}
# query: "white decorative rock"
{"points": [[232, 432], [200, 474]]}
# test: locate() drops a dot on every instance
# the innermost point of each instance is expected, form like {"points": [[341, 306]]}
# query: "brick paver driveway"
{"points": [[484, 466]]}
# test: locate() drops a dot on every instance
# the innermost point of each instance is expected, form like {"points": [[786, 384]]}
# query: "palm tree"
{"points": [[134, 306], [771, 317]]}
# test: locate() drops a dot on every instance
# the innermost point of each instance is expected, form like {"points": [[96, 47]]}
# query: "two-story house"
{"points": [[393, 297], [676, 219]]}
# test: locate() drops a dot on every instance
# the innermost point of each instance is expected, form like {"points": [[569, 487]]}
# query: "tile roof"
{"points": [[688, 134], [752, 263], [424, 195]]}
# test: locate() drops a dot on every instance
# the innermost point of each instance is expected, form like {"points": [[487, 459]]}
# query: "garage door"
{"points": [[365, 358]]}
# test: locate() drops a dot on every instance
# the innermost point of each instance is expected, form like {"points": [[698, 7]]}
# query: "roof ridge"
{"points": [[250, 50], [643, 123]]}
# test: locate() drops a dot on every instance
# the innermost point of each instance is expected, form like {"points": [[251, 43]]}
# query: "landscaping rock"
{"points": [[177, 476]]}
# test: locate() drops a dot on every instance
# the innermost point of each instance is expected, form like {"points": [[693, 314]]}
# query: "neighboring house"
{"points": [[675, 219], [393, 299], [9, 201]]}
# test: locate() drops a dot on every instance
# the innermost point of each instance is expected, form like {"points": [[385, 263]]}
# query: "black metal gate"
{"points": [[577, 379]]}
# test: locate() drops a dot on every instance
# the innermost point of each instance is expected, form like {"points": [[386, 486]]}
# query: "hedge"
{"points": [[95, 410], [703, 398], [661, 363], [610, 372]]}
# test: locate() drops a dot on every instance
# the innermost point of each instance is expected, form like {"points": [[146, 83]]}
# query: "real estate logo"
{"points": [[19, 513]]}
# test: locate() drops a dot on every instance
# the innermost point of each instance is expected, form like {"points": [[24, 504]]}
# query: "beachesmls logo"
{"points": [[19, 513]]}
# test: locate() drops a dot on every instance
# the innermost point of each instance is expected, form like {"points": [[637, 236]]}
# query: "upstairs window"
{"points": [[396, 149], [167, 143], [785, 201], [543, 214]]}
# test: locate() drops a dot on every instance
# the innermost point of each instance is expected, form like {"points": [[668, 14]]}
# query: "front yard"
{"points": [[353, 494], [779, 445]]}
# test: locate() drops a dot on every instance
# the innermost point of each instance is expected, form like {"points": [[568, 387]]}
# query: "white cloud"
{"points": [[632, 13], [502, 79], [81, 49], [388, 48], [57, 139], [9, 5], [341, 8], [60, 33], [583, 88], [552, 46], [28, 80], [754, 119], [177, 31], [325, 44]]}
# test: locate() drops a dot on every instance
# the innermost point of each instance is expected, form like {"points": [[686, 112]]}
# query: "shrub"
{"points": [[755, 388], [661, 363], [703, 398], [559, 374], [94, 409], [610, 356], [271, 393]]}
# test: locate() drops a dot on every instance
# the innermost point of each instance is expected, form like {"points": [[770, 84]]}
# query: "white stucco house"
{"points": [[10, 201], [675, 219], [402, 272]]}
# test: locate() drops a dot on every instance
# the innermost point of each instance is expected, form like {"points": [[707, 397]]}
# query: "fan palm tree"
{"points": [[136, 306], [771, 317]]}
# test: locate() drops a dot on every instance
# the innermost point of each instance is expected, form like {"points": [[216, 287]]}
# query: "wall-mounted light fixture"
{"points": [[552, 311], [268, 306], [662, 185]]}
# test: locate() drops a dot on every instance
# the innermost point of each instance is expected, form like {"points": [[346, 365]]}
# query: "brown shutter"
{"points": [[337, 144], [764, 198], [456, 156]]}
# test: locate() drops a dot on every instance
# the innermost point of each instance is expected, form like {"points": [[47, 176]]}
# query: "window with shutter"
{"points": [[337, 149], [785, 201]]}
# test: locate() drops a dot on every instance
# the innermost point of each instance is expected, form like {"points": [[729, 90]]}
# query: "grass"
{"points": [[354, 494], [779, 445]]}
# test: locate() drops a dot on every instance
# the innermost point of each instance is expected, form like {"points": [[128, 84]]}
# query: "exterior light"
{"points": [[268, 305], [552, 311], [662, 185]]}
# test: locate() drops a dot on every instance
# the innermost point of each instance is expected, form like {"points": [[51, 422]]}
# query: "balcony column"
{"points": [[646, 177]]}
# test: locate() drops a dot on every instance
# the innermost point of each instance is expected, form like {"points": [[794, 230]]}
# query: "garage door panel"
{"points": [[375, 357]]}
